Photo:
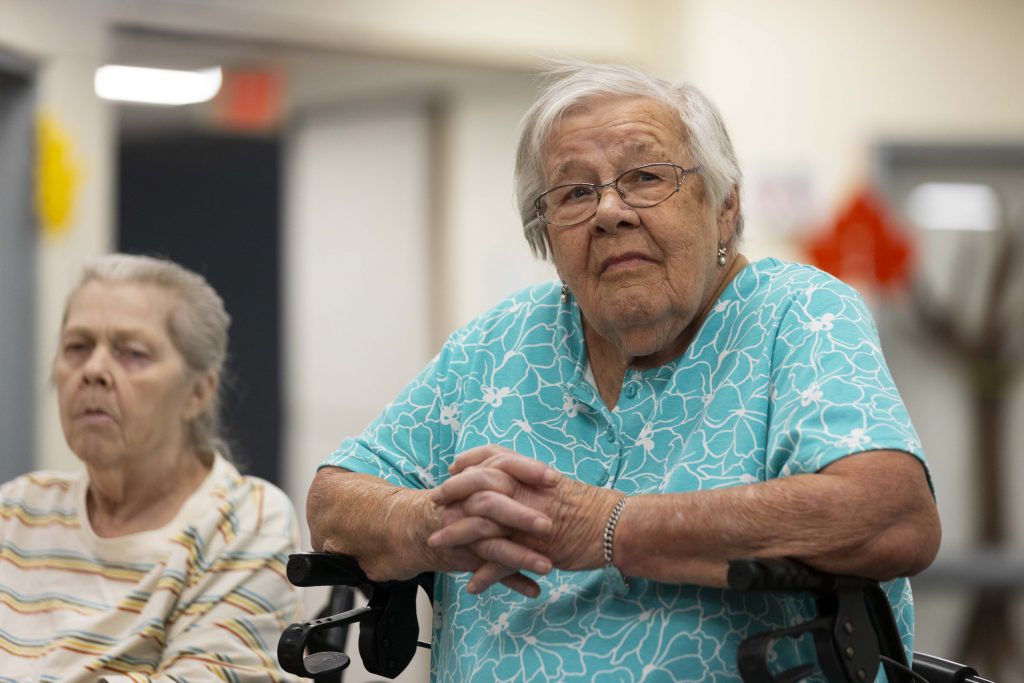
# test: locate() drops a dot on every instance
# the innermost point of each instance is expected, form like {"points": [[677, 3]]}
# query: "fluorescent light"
{"points": [[954, 206], [156, 86]]}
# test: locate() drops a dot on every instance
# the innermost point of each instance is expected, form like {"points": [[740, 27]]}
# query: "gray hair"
{"points": [[571, 83], [197, 326]]}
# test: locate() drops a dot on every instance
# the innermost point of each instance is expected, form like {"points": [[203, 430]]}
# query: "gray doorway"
{"points": [[17, 267]]}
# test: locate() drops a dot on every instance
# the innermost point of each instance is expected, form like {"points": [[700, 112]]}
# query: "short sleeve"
{"points": [[832, 392]]}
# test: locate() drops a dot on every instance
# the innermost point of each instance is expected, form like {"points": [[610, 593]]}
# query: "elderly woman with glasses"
{"points": [[157, 561], [603, 448]]}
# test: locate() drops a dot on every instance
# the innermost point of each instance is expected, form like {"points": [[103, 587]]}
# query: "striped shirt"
{"points": [[202, 599]]}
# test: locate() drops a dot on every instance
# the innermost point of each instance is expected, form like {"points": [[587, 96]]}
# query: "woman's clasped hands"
{"points": [[518, 515]]}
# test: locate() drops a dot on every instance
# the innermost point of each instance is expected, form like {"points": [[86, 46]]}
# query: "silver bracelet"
{"points": [[608, 537]]}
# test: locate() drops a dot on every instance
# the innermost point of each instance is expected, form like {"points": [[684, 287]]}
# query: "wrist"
{"points": [[411, 518]]}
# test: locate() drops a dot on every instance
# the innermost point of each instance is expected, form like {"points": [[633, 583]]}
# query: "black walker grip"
{"points": [[778, 574], [324, 569]]}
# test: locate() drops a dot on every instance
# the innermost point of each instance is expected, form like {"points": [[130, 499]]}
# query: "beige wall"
{"points": [[812, 85]]}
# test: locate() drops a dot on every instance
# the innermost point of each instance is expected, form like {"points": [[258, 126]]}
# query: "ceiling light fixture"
{"points": [[157, 86]]}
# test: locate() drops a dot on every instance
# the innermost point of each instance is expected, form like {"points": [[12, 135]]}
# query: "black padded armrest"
{"points": [[324, 569], [778, 574], [327, 569]]}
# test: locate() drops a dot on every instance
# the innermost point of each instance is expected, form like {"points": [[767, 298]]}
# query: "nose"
{"points": [[613, 214], [96, 371]]}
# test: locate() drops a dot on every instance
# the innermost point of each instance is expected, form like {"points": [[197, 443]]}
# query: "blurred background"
{"points": [[348, 190]]}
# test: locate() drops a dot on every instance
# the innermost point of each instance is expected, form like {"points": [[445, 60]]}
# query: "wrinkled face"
{"points": [[123, 389], [634, 269]]}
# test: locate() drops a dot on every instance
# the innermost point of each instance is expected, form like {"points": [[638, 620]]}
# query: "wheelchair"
{"points": [[854, 632]]}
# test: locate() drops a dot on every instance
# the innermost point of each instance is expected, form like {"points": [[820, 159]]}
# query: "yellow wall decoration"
{"points": [[57, 176]]}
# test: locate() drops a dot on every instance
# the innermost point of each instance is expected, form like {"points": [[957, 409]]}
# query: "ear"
{"points": [[729, 215], [204, 388]]}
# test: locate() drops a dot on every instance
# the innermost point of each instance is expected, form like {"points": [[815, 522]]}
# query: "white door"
{"points": [[357, 279]]}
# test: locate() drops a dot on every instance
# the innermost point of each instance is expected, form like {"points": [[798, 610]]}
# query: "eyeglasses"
{"points": [[640, 188]]}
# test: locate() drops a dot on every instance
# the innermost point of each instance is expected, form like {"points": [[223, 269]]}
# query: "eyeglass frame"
{"points": [[600, 187]]}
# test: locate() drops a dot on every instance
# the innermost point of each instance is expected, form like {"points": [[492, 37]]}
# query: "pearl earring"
{"points": [[565, 293], [721, 255]]}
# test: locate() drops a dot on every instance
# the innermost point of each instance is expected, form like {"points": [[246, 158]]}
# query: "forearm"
{"points": [[879, 523], [382, 525]]}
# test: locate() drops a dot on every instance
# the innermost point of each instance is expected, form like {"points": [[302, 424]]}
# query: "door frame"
{"points": [[18, 247]]}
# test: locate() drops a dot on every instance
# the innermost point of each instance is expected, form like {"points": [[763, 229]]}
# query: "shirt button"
{"points": [[603, 479], [632, 390], [610, 435]]}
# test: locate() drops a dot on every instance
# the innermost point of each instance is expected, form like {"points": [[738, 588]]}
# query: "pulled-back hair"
{"points": [[569, 84], [197, 326]]}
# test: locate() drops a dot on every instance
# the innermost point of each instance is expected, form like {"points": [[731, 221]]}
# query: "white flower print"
{"points": [[450, 416], [571, 406], [524, 425], [822, 324], [493, 395], [501, 625], [646, 438], [855, 438], [558, 591], [811, 394], [426, 477]]}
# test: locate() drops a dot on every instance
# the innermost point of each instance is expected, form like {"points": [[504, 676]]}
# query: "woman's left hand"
{"points": [[493, 485]]}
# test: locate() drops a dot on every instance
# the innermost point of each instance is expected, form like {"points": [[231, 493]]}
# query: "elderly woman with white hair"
{"points": [[603, 448], [158, 561]]}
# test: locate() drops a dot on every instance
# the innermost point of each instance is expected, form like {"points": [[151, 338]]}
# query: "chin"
{"points": [[623, 310], [642, 344], [94, 453]]}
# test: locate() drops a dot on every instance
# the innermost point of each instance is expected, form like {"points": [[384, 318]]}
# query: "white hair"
{"points": [[572, 83], [197, 326]]}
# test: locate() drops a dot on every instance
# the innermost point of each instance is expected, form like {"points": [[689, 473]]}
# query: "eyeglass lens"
{"points": [[639, 188]]}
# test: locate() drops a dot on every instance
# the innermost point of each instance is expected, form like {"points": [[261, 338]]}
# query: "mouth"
{"points": [[94, 416], [625, 261]]}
